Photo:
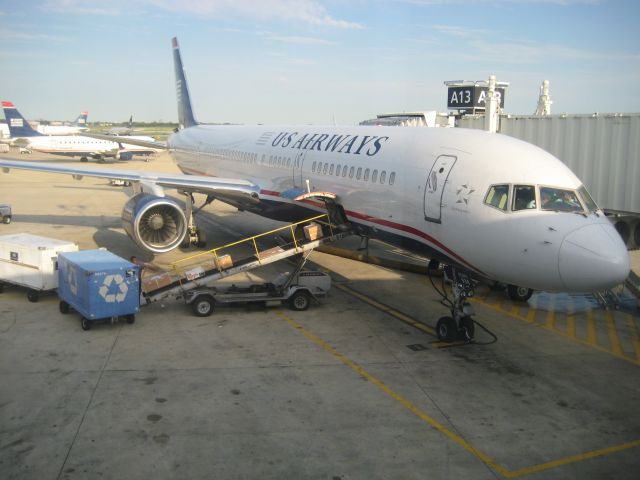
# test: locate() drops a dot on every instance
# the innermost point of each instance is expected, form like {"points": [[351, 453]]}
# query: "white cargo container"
{"points": [[31, 261]]}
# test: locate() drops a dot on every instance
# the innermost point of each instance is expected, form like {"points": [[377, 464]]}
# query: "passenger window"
{"points": [[331, 170], [374, 176], [366, 175], [392, 178], [351, 172], [383, 177], [338, 170], [324, 169], [560, 200], [497, 196], [344, 171], [359, 173], [313, 167], [524, 197]]}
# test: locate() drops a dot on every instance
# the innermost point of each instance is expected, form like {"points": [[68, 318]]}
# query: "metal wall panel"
{"points": [[602, 150]]}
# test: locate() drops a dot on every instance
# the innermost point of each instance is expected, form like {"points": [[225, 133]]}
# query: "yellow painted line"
{"points": [[486, 459], [531, 315], [387, 309], [616, 347], [635, 337], [403, 401], [591, 332], [573, 459], [571, 326], [591, 329], [550, 320]]}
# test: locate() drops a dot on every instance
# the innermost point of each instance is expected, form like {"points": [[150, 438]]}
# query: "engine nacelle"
{"points": [[157, 224]]}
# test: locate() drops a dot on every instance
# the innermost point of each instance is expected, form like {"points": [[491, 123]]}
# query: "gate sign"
{"points": [[471, 97]]}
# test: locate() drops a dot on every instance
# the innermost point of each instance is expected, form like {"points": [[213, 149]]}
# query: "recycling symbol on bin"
{"points": [[114, 283]]}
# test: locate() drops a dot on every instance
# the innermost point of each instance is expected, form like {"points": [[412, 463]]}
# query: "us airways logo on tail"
{"points": [[368, 145]]}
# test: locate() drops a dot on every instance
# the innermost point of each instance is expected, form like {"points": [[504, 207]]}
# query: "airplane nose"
{"points": [[593, 258]]}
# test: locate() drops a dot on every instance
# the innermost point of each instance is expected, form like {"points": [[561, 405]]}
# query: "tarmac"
{"points": [[356, 387]]}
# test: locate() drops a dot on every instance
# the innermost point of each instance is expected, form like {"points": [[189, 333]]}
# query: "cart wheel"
{"points": [[85, 323], [6, 220], [64, 307], [33, 296], [203, 305], [130, 318], [299, 301]]}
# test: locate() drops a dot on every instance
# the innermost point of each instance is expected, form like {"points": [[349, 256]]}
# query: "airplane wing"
{"points": [[233, 190], [127, 140]]}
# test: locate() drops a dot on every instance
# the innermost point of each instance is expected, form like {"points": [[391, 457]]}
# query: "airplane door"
{"points": [[434, 188], [296, 166]]}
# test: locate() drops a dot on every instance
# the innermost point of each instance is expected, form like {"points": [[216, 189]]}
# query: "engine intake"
{"points": [[157, 224]]}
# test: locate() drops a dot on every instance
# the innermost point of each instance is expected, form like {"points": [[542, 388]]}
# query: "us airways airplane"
{"points": [[78, 125], [486, 205], [81, 146]]}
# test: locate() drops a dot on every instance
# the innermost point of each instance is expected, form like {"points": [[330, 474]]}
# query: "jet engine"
{"points": [[157, 224]]}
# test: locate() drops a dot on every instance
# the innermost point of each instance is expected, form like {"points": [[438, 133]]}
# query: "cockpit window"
{"points": [[498, 196], [524, 197], [560, 200], [586, 198]]}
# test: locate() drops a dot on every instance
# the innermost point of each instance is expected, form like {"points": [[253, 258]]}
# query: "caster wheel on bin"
{"points": [[85, 323], [33, 296], [64, 307], [130, 318]]}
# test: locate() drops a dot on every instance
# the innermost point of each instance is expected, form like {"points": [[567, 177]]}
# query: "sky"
{"points": [[312, 61]]}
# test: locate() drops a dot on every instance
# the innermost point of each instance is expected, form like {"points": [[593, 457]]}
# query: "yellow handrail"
{"points": [[176, 265]]}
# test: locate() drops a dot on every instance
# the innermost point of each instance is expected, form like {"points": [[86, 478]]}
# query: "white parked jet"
{"points": [[79, 125], [487, 205], [81, 146]]}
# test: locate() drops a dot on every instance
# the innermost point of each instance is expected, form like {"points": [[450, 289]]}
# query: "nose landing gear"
{"points": [[459, 326]]}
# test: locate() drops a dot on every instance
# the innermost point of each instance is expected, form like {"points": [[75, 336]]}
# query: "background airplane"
{"points": [[467, 198], [81, 146], [78, 125]]}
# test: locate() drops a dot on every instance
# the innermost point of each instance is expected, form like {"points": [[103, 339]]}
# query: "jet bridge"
{"points": [[203, 269]]}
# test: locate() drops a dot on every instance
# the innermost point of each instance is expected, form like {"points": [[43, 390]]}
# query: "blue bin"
{"points": [[99, 285]]}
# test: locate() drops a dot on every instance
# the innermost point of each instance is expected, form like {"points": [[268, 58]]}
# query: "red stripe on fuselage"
{"points": [[379, 221]]}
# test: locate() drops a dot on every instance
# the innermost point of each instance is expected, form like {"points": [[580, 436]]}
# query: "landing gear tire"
{"points": [[203, 306], [201, 242], [446, 329], [64, 307], [299, 301], [519, 294], [85, 323], [467, 328], [84, 159]]}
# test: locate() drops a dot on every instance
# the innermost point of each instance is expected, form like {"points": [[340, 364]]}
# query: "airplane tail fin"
{"points": [[185, 113], [81, 121], [18, 126], [130, 124]]}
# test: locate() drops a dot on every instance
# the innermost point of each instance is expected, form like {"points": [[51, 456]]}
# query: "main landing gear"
{"points": [[195, 235]]}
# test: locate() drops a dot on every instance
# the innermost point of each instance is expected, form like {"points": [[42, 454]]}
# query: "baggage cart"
{"points": [[99, 285]]}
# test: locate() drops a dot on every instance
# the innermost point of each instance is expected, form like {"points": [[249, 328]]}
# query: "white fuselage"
{"points": [[78, 145], [60, 129], [430, 199]]}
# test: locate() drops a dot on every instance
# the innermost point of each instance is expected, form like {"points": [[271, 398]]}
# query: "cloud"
{"points": [[309, 12], [300, 40]]}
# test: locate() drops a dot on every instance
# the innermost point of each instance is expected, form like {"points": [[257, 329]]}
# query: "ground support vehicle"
{"points": [[297, 288], [99, 285], [5, 213], [31, 261]]}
